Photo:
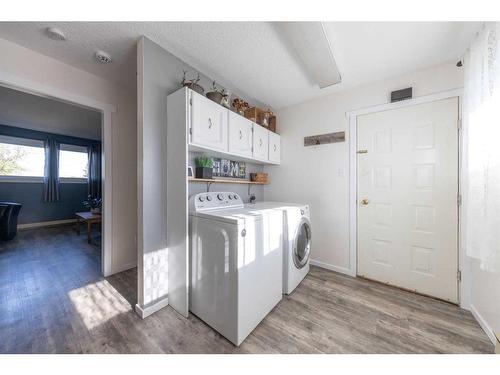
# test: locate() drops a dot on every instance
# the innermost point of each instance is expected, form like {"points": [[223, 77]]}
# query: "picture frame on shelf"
{"points": [[190, 171]]}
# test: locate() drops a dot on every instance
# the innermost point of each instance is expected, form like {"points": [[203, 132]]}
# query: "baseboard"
{"points": [[331, 267], [144, 312], [124, 267], [45, 224], [484, 325]]}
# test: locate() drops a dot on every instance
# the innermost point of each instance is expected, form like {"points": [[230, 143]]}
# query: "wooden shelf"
{"points": [[226, 181]]}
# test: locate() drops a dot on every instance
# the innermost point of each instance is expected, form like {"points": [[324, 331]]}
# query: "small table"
{"points": [[90, 218]]}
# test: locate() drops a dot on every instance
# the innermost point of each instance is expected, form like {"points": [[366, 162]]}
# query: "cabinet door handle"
{"points": [[241, 135], [209, 123], [260, 141], [274, 147]]}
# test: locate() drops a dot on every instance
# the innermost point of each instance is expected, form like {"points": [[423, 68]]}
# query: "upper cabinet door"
{"points": [[260, 143], [274, 147], [240, 135], [208, 123]]}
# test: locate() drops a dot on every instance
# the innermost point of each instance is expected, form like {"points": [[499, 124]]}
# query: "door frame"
{"points": [[463, 264], [106, 110]]}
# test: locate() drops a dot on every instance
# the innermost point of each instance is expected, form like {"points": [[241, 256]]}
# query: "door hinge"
{"points": [[459, 124], [362, 151], [459, 200], [191, 131], [459, 275], [190, 101]]}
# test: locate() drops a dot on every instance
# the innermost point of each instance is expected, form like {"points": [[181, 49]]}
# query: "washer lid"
{"points": [[232, 216]]}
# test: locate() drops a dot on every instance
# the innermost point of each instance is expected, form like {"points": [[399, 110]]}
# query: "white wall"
{"points": [[319, 175], [31, 66], [159, 74]]}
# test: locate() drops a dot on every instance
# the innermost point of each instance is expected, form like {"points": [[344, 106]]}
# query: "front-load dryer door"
{"points": [[302, 243]]}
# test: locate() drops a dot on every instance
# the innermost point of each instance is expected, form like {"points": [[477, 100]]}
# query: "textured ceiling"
{"points": [[38, 113], [253, 57]]}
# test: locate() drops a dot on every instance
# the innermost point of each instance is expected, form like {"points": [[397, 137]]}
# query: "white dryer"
{"points": [[236, 263], [297, 237]]}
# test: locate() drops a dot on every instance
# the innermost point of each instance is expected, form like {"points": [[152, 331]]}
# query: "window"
{"points": [[20, 157], [73, 162]]}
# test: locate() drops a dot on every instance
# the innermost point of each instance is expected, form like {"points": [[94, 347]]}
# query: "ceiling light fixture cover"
{"points": [[311, 44], [103, 57], [55, 33]]}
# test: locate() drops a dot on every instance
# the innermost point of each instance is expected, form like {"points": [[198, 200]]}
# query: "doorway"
{"points": [[407, 197], [106, 111]]}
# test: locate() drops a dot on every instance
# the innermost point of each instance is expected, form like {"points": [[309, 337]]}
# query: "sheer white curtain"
{"points": [[481, 156]]}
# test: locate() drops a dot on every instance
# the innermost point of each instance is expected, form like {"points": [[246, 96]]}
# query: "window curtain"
{"points": [[481, 148], [94, 172], [51, 173]]}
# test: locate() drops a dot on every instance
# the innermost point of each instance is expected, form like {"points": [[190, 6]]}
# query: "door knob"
{"points": [[364, 202]]}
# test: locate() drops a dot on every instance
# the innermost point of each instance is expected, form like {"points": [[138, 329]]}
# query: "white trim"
{"points": [[45, 224], [22, 179], [407, 103], [144, 312], [124, 267], [463, 264], [40, 89], [72, 180], [331, 267], [484, 325]]}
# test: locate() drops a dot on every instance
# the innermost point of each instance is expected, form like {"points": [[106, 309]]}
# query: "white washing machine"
{"points": [[297, 236], [236, 263]]}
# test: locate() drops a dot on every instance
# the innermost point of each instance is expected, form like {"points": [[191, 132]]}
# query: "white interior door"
{"points": [[407, 198]]}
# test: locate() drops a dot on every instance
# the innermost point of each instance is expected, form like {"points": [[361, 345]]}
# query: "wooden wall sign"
{"points": [[323, 139]]}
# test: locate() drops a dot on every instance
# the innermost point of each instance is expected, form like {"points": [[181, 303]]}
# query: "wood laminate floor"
{"points": [[53, 300]]}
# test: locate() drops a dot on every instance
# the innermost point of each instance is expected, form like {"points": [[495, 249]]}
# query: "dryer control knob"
{"points": [[220, 197], [201, 199], [209, 198]]}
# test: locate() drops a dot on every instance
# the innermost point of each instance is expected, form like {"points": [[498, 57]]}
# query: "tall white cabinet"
{"points": [[195, 123]]}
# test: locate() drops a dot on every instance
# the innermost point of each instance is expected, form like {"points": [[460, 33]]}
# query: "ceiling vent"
{"points": [[103, 57], [55, 34]]}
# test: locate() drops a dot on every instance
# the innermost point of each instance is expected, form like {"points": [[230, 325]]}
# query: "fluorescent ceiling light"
{"points": [[311, 44]]}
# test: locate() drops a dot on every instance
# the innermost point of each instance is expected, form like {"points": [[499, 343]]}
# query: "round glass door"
{"points": [[302, 244]]}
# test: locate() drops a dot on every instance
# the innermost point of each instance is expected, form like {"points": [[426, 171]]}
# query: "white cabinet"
{"points": [[208, 123], [260, 143], [240, 135], [274, 147], [219, 132]]}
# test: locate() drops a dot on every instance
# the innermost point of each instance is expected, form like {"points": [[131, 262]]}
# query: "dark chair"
{"points": [[8, 220]]}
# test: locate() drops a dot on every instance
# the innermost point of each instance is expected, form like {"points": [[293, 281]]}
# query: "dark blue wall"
{"points": [[30, 194], [35, 210]]}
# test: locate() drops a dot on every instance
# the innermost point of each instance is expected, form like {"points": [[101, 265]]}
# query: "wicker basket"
{"points": [[259, 177]]}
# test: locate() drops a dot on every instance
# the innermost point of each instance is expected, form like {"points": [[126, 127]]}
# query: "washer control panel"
{"points": [[215, 201]]}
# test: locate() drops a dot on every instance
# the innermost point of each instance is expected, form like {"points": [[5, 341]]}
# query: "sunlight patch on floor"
{"points": [[98, 302]]}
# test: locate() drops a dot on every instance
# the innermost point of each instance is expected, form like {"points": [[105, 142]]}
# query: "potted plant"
{"points": [[94, 204], [204, 166]]}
